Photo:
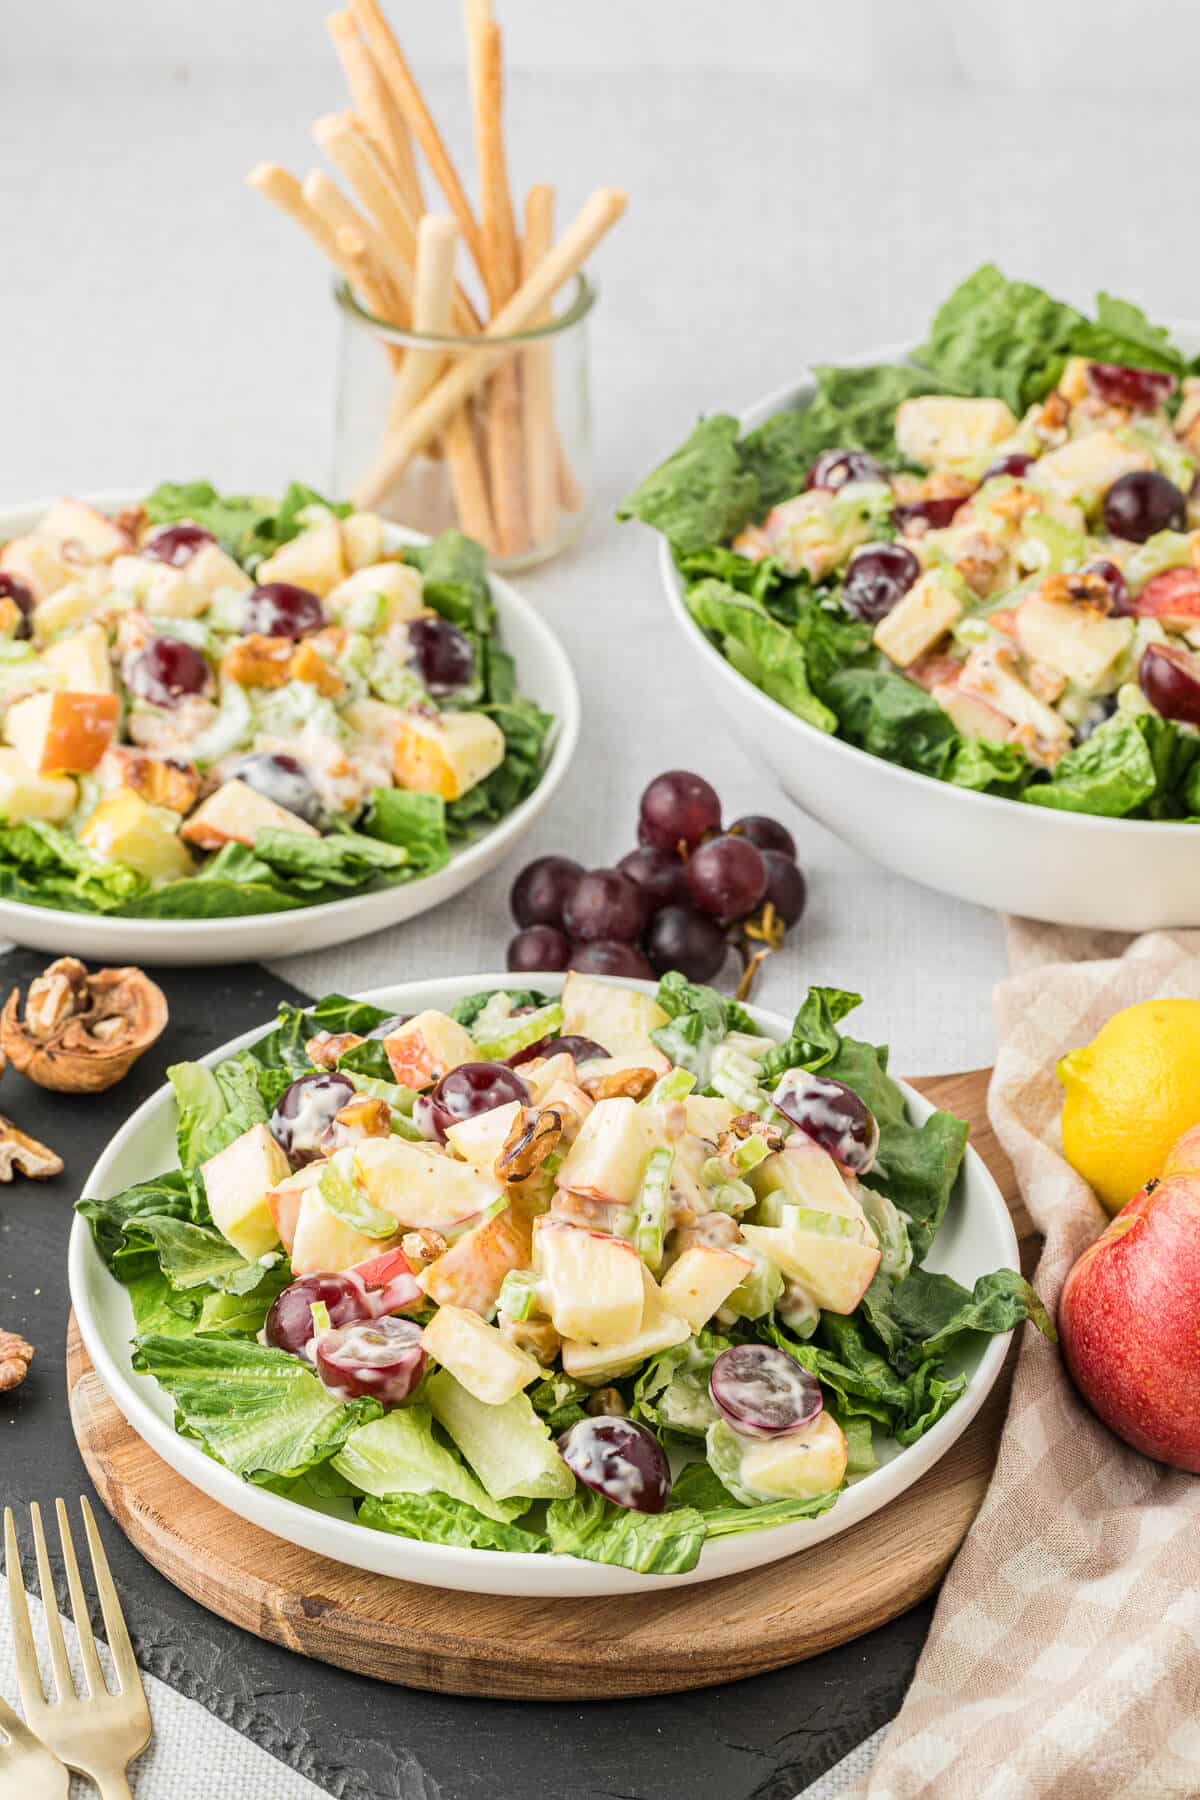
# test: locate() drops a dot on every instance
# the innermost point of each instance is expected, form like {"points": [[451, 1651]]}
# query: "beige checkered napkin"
{"points": [[1064, 1657]]}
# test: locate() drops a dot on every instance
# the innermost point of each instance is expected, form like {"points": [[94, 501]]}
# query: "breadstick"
{"points": [[391, 63], [356, 259], [387, 275], [467, 477], [433, 293], [281, 188], [537, 387], [376, 105], [596, 218], [503, 413]]}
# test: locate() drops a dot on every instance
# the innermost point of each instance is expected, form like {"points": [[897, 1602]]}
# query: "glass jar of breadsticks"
{"points": [[510, 466]]}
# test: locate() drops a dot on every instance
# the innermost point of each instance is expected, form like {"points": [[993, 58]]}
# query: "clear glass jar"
{"points": [[512, 466]]}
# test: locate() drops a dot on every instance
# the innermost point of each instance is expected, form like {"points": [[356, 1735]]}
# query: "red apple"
{"points": [[1129, 1316]]}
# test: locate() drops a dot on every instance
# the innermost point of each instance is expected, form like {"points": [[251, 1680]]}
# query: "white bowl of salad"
{"points": [[950, 593], [560, 1291], [227, 720]]}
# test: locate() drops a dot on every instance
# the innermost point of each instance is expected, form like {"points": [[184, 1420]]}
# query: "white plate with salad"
{"points": [[228, 720], [951, 593], [557, 1291]]}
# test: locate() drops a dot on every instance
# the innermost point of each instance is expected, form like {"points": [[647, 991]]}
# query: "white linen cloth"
{"points": [[192, 1755]]}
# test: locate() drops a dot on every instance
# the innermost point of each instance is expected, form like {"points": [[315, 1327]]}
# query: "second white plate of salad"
{"points": [[568, 1290], [229, 720]]}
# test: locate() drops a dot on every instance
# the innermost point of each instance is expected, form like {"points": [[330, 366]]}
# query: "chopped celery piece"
{"points": [[349, 1203], [518, 1294], [400, 1099], [320, 1316], [735, 1197], [654, 1198], [516, 1033], [229, 730], [676, 1085], [748, 1152], [797, 1309], [758, 1291]]}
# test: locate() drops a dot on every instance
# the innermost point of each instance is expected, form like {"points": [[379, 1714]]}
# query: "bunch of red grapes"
{"points": [[683, 899]]}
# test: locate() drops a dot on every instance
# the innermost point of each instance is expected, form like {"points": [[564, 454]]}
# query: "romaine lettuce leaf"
{"points": [[814, 1039], [702, 494], [399, 1454], [1003, 338], [768, 654], [255, 1409], [344, 859], [509, 1446], [699, 1019], [43, 865], [216, 1106], [665, 1543], [886, 714], [434, 1518], [1111, 773], [468, 1009], [454, 579], [988, 768], [700, 1489], [559, 1400], [671, 1393], [526, 729], [1121, 333], [247, 526], [171, 1195], [934, 1309], [415, 822]]}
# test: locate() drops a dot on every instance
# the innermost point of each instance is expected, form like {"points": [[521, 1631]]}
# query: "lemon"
{"points": [[1131, 1093]]}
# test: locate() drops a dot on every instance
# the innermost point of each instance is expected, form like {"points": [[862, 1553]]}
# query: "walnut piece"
{"points": [[607, 1402], [327, 1048], [258, 661], [15, 1358], [538, 1336], [21, 1154], [636, 1083], [82, 1033], [423, 1246], [360, 1118], [1079, 587], [534, 1135], [748, 1124]]}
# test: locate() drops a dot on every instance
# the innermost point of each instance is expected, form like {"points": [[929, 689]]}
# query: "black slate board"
{"points": [[763, 1739]]}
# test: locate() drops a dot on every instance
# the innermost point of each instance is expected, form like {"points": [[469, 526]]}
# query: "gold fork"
{"points": [[98, 1733], [26, 1766]]}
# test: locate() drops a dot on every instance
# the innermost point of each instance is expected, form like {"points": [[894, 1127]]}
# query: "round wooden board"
{"points": [[503, 1648]]}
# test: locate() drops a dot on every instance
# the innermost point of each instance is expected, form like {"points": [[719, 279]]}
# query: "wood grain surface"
{"points": [[500, 1647]]}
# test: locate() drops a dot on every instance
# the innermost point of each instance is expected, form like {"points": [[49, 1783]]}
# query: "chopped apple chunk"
{"points": [[478, 1356]]}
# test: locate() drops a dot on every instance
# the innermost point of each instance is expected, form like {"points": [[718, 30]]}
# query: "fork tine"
{"points": [[79, 1607], [29, 1675], [60, 1662], [114, 1619]]}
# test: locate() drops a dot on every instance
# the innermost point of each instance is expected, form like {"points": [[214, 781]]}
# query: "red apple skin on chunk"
{"points": [[1129, 1316], [1173, 596]]}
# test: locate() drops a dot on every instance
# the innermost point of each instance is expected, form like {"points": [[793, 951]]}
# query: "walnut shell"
{"points": [[90, 1029]]}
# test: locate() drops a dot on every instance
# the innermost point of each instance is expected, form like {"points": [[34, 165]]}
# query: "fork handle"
{"points": [[113, 1785]]}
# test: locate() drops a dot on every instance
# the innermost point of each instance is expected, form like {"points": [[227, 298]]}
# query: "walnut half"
{"points": [[15, 1358], [81, 1033], [21, 1154]]}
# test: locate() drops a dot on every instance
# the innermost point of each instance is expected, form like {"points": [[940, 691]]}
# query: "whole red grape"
{"points": [[767, 833], [605, 904], [603, 956], [660, 875], [538, 947], [692, 942], [678, 807], [727, 877], [786, 888], [542, 889]]}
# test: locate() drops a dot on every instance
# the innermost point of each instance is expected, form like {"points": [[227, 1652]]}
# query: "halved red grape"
{"points": [[1139, 504], [304, 1113], [603, 956], [444, 656], [832, 1114], [619, 1459], [289, 1325], [542, 889], [879, 575], [583, 1049], [834, 468], [727, 877], [767, 833], [678, 807], [167, 670], [176, 544], [22, 598], [763, 1392], [1142, 390], [538, 947], [465, 1092], [283, 779], [1016, 464], [1118, 587], [932, 515], [659, 873], [1169, 676], [605, 904], [786, 887], [692, 942], [281, 609], [378, 1359]]}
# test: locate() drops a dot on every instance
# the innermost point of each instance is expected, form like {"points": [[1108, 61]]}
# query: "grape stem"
{"points": [[765, 928]]}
